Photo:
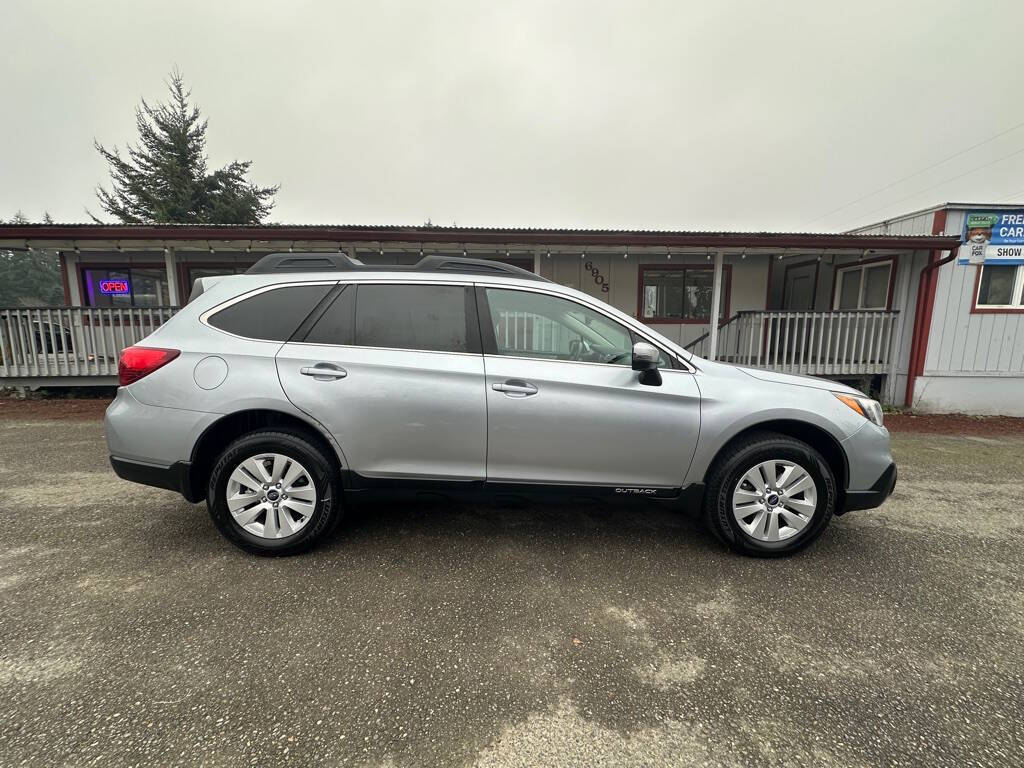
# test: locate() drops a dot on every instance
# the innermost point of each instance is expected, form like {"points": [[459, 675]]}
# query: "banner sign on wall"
{"points": [[993, 237]]}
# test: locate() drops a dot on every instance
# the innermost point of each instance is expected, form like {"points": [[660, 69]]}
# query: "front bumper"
{"points": [[874, 496]]}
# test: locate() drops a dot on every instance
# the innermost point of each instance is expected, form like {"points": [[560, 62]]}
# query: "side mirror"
{"points": [[645, 360]]}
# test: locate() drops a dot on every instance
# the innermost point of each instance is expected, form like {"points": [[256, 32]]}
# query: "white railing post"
{"points": [[716, 296]]}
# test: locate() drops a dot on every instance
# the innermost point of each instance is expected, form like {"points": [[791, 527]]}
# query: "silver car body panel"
{"points": [[398, 413], [414, 414], [589, 424]]}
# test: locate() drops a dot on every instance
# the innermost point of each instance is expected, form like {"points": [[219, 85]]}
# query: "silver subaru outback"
{"points": [[280, 394]]}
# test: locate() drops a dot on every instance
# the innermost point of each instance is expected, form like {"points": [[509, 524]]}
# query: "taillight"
{"points": [[136, 362]]}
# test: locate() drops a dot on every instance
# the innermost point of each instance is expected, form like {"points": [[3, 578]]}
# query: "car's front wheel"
{"points": [[769, 495], [273, 493]]}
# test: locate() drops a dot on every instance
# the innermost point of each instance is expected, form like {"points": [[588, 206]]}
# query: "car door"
{"points": [[564, 405], [394, 371]]}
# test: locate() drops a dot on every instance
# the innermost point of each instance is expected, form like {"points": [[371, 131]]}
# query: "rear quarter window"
{"points": [[272, 315]]}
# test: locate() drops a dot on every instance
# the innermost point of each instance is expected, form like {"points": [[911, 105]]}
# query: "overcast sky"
{"points": [[675, 114]]}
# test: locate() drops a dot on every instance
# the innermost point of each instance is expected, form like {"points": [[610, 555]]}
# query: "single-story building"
{"points": [[845, 306], [970, 355]]}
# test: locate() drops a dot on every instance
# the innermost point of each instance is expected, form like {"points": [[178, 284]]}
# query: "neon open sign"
{"points": [[114, 287]]}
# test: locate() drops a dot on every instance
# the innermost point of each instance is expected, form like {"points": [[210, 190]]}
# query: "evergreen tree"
{"points": [[164, 178], [30, 279]]}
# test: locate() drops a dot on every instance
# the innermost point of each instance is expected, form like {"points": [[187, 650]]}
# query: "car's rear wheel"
{"points": [[273, 493], [769, 495]]}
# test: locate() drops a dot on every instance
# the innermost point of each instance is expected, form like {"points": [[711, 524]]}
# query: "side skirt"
{"points": [[691, 496]]}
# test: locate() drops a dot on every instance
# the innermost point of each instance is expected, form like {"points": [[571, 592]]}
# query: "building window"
{"points": [[125, 287], [863, 286], [681, 294], [189, 273], [194, 273], [1001, 286]]}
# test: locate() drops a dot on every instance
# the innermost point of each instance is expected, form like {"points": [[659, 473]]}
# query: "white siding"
{"points": [[748, 287], [974, 362]]}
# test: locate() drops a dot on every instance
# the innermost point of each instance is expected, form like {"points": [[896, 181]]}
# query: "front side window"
{"points": [[1001, 285], [528, 324], [272, 315], [681, 294], [125, 287], [419, 317], [863, 287]]}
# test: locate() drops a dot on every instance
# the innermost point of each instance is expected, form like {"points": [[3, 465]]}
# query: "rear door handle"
{"points": [[515, 388], [324, 371]]}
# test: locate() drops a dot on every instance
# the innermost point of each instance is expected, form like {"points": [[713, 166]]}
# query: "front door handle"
{"points": [[515, 388], [324, 372]]}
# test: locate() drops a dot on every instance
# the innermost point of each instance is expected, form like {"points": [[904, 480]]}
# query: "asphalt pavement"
{"points": [[438, 633]]}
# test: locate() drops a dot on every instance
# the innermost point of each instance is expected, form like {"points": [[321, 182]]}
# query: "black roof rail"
{"points": [[473, 266], [276, 263], [302, 262]]}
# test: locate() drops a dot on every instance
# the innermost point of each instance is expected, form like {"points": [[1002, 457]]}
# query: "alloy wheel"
{"points": [[774, 500], [271, 495]]}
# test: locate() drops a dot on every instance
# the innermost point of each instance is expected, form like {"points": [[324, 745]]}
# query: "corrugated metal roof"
{"points": [[479, 235]]}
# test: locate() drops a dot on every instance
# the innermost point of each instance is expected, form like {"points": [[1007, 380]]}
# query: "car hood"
{"points": [[798, 381]]}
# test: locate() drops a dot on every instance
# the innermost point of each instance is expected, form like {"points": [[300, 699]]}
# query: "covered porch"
{"points": [[840, 306]]}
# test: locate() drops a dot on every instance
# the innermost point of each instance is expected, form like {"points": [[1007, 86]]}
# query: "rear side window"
{"points": [[273, 315], [337, 324], [427, 317]]}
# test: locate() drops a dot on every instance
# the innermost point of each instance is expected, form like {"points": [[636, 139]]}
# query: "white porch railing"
{"points": [[71, 341], [813, 343], [85, 341], [528, 332]]}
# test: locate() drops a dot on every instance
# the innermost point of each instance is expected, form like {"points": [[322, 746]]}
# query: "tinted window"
{"points": [[337, 324], [272, 315], [429, 317]]}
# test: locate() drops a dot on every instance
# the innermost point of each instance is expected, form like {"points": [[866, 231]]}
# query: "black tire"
{"points": [[735, 461], [322, 470]]}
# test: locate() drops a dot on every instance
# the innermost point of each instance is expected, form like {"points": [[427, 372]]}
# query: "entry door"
{"points": [[798, 293], [564, 405], [395, 373]]}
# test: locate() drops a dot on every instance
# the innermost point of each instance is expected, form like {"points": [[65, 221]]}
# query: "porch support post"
{"points": [[172, 277], [716, 299]]}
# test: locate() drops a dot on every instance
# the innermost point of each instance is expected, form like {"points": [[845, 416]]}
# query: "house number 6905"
{"points": [[598, 277]]}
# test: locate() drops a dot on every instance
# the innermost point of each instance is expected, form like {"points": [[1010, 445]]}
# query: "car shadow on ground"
{"points": [[443, 522]]}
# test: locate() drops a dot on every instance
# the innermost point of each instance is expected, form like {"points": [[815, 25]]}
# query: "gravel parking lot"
{"points": [[439, 633]]}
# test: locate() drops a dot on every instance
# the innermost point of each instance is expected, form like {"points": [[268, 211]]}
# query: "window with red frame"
{"points": [[1001, 285], [125, 287], [681, 294]]}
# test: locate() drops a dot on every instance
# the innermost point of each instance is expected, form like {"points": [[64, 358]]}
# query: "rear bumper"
{"points": [[174, 477], [874, 496]]}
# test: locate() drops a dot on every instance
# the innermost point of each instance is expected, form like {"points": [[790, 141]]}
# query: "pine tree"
{"points": [[164, 178], [30, 279]]}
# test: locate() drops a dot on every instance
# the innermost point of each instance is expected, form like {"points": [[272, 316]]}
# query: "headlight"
{"points": [[865, 406]]}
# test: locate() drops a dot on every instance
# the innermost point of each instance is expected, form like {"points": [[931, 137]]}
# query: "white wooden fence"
{"points": [[71, 341], [812, 343]]}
